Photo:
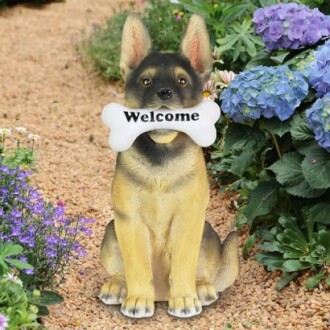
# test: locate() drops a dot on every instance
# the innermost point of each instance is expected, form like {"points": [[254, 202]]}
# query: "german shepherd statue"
{"points": [[159, 247]]}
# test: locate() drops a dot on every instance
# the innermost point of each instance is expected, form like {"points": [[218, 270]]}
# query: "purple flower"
{"points": [[3, 322], [319, 76], [290, 26], [318, 117], [49, 238]]}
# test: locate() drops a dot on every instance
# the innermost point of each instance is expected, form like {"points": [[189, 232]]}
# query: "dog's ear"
{"points": [[196, 46], [136, 44]]}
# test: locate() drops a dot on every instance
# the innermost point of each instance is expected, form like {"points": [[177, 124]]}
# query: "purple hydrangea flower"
{"points": [[318, 117], [264, 91], [319, 76], [290, 26]]}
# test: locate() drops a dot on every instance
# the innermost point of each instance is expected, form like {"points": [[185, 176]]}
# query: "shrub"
{"points": [[165, 22], [274, 152]]}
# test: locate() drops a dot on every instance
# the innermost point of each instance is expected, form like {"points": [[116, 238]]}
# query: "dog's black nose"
{"points": [[164, 93]]}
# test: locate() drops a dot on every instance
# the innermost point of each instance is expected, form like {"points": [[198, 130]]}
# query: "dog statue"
{"points": [[159, 247]]}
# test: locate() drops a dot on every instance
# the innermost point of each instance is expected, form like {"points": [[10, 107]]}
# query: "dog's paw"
{"points": [[138, 307], [184, 306], [114, 291], [206, 293]]}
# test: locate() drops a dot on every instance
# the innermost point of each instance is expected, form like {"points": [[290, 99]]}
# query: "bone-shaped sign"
{"points": [[127, 124]]}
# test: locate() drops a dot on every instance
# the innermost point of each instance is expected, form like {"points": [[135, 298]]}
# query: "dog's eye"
{"points": [[182, 82], [146, 82]]}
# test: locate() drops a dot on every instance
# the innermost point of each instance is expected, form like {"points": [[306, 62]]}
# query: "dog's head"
{"points": [[164, 80]]}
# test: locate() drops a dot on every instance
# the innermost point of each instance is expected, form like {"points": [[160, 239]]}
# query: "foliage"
{"points": [[165, 22], [8, 251], [293, 247], [49, 238], [17, 147], [279, 165], [14, 305]]}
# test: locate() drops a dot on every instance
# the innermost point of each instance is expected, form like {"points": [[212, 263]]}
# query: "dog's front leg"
{"points": [[186, 235], [134, 244], [135, 250]]}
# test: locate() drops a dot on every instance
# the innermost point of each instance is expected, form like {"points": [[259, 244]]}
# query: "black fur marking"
{"points": [[157, 154]]}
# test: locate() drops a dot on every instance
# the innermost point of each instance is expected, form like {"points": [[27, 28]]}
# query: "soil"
{"points": [[45, 87]]}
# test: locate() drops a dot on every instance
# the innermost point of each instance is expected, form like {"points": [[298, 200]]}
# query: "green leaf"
{"points": [[272, 261], [316, 168], [225, 45], [295, 265], [10, 249], [288, 169], [300, 130], [320, 213], [249, 243], [19, 264], [237, 50], [267, 3], [250, 47], [293, 233], [285, 279], [313, 281], [261, 200], [241, 163], [289, 173], [46, 298], [279, 59], [323, 239], [238, 136], [276, 126]]}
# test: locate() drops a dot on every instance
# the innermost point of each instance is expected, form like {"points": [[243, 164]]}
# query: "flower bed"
{"points": [[37, 239]]}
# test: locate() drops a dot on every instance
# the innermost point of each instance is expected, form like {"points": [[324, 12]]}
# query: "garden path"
{"points": [[45, 87]]}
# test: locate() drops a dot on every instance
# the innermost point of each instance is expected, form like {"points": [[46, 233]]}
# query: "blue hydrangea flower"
{"points": [[290, 26], [318, 117], [264, 91], [319, 76]]}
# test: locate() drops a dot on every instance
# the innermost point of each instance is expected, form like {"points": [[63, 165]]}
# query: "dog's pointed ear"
{"points": [[196, 46], [136, 44]]}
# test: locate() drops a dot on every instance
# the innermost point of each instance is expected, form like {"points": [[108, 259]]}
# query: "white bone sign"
{"points": [[127, 124]]}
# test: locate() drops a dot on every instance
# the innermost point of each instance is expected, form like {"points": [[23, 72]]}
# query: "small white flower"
{"points": [[21, 129], [5, 131], [210, 92], [13, 278], [222, 79], [33, 137]]}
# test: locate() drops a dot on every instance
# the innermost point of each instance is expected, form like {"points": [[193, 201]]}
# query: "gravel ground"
{"points": [[44, 87]]}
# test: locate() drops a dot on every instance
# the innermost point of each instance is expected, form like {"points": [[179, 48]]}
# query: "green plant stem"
{"points": [[277, 146], [310, 229]]}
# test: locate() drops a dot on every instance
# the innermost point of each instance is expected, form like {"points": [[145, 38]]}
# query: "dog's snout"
{"points": [[164, 93]]}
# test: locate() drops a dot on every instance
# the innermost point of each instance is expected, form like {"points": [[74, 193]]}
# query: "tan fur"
{"points": [[159, 247]]}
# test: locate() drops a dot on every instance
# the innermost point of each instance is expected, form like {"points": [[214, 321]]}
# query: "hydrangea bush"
{"points": [[275, 145], [290, 26]]}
